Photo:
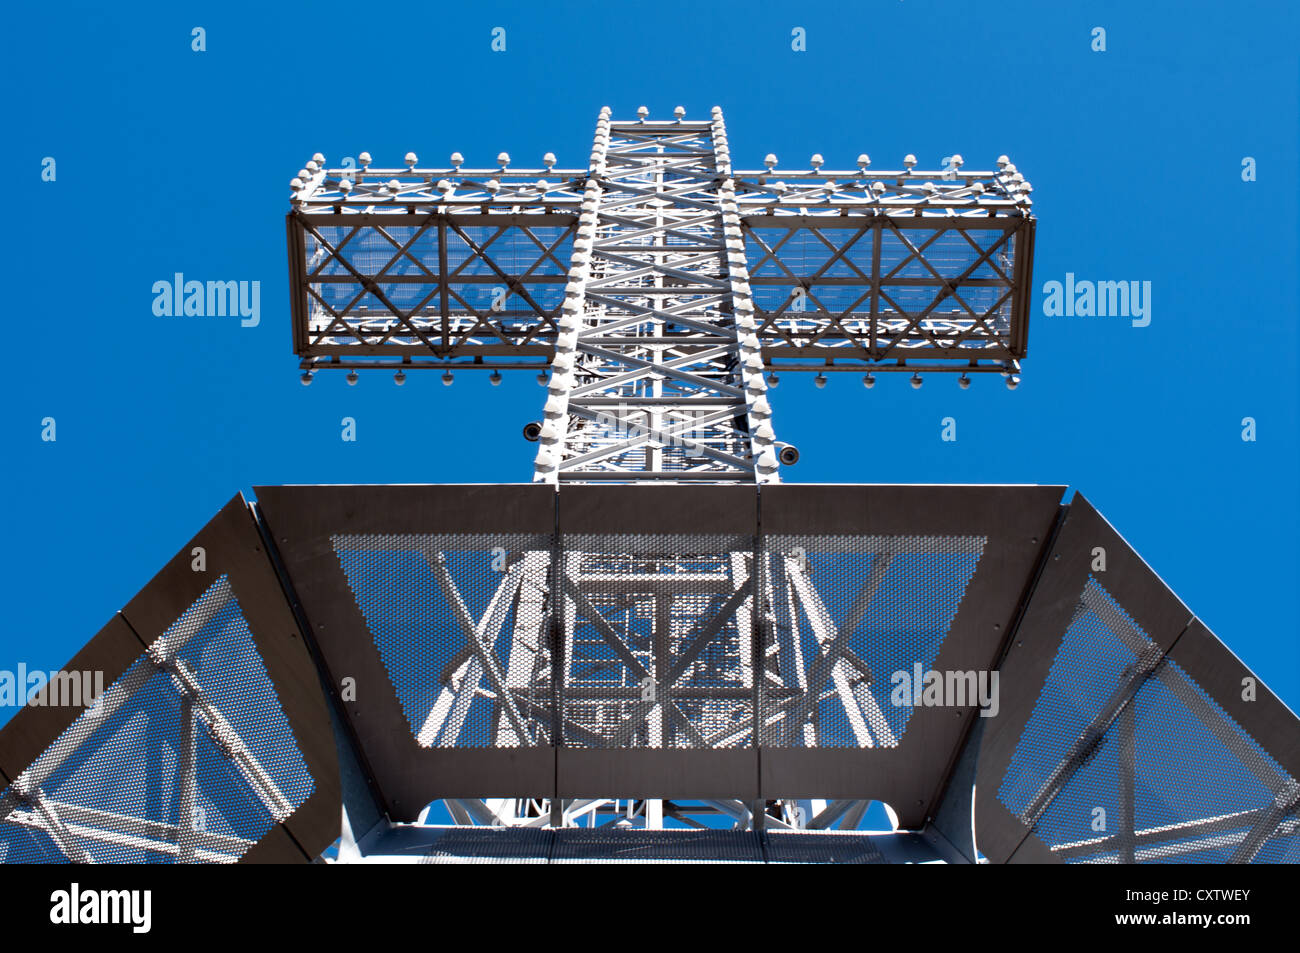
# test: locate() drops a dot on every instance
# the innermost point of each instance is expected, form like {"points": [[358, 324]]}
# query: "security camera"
{"points": [[788, 455], [533, 431]]}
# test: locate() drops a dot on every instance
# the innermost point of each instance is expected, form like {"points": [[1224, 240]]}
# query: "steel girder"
{"points": [[849, 269], [657, 371]]}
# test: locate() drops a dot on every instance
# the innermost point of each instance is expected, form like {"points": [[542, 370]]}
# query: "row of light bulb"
{"points": [[399, 378], [869, 381]]}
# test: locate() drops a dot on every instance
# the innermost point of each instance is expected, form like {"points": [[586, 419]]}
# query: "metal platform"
{"points": [[359, 652], [427, 844]]}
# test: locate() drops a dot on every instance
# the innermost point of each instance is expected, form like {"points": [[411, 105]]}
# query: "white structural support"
{"points": [[684, 279], [658, 371]]}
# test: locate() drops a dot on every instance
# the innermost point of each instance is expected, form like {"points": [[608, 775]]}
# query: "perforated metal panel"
{"points": [[462, 625], [1090, 666], [489, 845], [844, 614], [821, 847], [1126, 759], [1130, 734], [610, 845], [522, 845], [187, 757], [1169, 784], [659, 641]]}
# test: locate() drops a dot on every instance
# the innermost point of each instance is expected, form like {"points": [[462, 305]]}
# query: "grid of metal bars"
{"points": [[657, 642], [660, 254]]}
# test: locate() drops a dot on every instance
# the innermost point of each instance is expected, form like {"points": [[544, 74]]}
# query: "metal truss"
{"points": [[657, 285], [654, 290], [649, 814], [657, 371], [658, 651], [849, 269]]}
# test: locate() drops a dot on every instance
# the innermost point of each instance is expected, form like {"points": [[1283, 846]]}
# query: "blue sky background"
{"points": [[171, 160]]}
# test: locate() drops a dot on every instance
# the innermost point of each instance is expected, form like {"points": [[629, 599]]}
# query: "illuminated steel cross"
{"points": [[654, 289]]}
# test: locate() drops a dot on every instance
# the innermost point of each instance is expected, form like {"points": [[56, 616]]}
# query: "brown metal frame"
{"points": [[911, 777], [233, 547]]}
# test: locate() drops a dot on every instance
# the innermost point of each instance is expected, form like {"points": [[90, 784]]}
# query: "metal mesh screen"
{"points": [[1126, 759], [576, 846], [462, 625], [659, 641], [476, 845], [844, 614], [384, 286], [957, 283], [490, 845], [187, 757], [1090, 664], [821, 847]]}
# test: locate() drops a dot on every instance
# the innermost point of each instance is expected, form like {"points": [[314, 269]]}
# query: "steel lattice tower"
{"points": [[658, 369], [657, 345], [686, 281], [655, 627]]}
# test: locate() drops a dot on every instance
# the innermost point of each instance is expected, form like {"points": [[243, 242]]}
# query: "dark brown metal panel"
{"points": [[1222, 675], [1033, 851], [422, 775], [276, 847], [658, 509], [177, 586], [297, 281], [813, 509], [34, 728], [917, 509], [1031, 655], [1024, 281], [901, 777], [658, 773], [301, 520], [998, 832], [233, 547], [464, 508], [1016, 522]]}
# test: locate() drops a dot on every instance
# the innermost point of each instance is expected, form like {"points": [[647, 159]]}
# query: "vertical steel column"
{"points": [[658, 372]]}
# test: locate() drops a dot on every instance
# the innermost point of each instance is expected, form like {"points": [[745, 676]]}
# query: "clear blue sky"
{"points": [[170, 160]]}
